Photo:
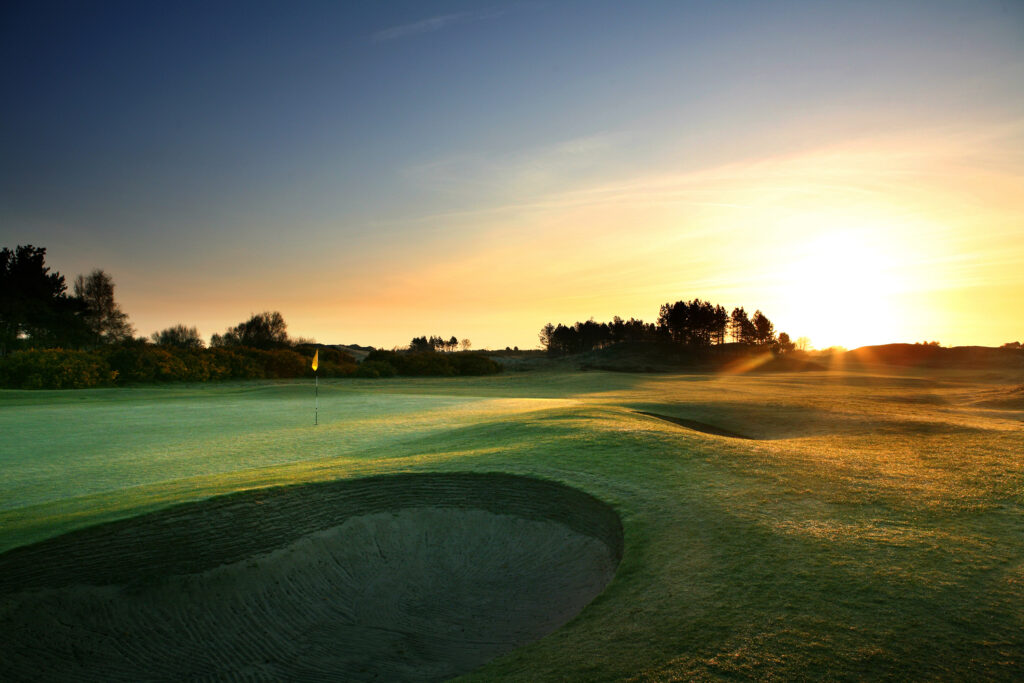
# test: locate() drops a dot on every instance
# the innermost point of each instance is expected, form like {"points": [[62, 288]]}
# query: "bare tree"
{"points": [[466, 344], [545, 336], [103, 316]]}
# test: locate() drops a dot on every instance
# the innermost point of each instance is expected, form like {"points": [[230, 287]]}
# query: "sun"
{"points": [[843, 285]]}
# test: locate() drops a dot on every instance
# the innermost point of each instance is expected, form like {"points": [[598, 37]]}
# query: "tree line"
{"points": [[693, 324], [36, 309], [50, 338], [53, 338], [438, 343]]}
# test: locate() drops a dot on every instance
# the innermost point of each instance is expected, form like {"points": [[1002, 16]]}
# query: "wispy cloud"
{"points": [[432, 24], [527, 172]]}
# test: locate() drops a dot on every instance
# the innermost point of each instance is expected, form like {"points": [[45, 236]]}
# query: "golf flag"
{"points": [[316, 384]]}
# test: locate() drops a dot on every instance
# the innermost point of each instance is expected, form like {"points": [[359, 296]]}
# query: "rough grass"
{"points": [[872, 528]]}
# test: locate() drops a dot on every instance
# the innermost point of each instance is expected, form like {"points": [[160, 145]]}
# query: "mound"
{"points": [[696, 426], [926, 355], [407, 577], [1009, 399]]}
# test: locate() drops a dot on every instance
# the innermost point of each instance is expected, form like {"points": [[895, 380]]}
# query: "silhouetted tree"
{"points": [[741, 328], [34, 306], [420, 344], [785, 345], [764, 330], [695, 323], [453, 343], [466, 344], [104, 317], [545, 335], [262, 331], [674, 319], [179, 336]]}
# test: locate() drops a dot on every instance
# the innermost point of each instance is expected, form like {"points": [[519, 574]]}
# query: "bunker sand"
{"points": [[404, 577]]}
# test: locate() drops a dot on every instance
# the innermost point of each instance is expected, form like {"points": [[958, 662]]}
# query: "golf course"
{"points": [[843, 524]]}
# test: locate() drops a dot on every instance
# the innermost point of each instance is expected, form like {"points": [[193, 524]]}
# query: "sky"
{"points": [[382, 170]]}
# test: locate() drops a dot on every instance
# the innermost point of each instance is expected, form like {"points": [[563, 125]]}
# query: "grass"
{"points": [[871, 528]]}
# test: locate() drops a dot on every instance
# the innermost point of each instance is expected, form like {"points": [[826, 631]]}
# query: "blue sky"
{"points": [[382, 170]]}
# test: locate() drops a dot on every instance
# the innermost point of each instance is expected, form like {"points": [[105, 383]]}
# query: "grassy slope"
{"points": [[875, 529]]}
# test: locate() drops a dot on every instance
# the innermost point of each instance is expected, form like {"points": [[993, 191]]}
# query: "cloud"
{"points": [[432, 24], [524, 173]]}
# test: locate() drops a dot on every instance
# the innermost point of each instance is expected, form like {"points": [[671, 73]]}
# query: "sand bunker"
{"points": [[696, 426], [406, 577]]}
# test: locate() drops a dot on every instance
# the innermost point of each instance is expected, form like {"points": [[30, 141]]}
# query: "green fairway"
{"points": [[871, 524]]}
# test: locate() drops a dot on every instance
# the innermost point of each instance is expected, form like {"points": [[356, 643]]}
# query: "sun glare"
{"points": [[844, 282]]}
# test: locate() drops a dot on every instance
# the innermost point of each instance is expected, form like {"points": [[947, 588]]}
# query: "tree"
{"points": [[453, 343], [33, 302], [262, 331], [785, 345], [675, 320], [178, 336], [466, 345], [545, 335], [104, 317], [803, 343], [420, 344], [764, 330], [741, 328]]}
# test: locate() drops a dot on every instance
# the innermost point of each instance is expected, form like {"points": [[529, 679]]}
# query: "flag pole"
{"points": [[316, 385]]}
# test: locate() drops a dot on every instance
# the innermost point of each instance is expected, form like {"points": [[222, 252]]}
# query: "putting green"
{"points": [[872, 519]]}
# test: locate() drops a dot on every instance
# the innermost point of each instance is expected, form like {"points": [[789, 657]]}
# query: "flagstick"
{"points": [[316, 411]]}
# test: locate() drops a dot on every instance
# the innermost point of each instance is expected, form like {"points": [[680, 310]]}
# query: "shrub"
{"points": [[139, 363], [375, 368], [232, 364], [134, 362], [282, 363], [431, 364], [472, 364], [54, 369]]}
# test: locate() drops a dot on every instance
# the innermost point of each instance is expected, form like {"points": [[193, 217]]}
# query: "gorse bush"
{"points": [[431, 364], [375, 369], [134, 363], [55, 369]]}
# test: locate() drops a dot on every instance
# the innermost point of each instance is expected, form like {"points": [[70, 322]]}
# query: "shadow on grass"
{"points": [[697, 426]]}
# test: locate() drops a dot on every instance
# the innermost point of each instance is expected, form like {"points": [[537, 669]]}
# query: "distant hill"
{"points": [[925, 355], [661, 357], [355, 350]]}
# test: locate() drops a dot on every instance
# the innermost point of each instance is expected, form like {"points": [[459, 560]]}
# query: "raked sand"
{"points": [[407, 577]]}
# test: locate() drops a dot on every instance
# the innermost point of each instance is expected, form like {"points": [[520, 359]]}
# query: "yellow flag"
{"points": [[316, 358]]}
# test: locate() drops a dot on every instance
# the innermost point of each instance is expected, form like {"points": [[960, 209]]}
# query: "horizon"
{"points": [[379, 172]]}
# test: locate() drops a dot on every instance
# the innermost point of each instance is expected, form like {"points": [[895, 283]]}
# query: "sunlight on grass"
{"points": [[874, 518]]}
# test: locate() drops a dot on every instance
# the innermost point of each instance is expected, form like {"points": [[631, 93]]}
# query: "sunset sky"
{"points": [[376, 171]]}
